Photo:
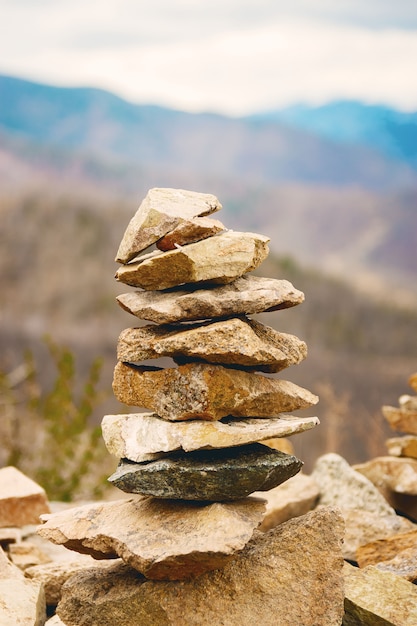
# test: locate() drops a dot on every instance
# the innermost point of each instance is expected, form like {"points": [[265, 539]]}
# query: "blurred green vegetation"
{"points": [[47, 433]]}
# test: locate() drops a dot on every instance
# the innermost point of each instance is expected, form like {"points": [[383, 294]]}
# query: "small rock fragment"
{"points": [[400, 419], [189, 231], [22, 501]]}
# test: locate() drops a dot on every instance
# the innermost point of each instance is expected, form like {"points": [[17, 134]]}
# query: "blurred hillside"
{"points": [[342, 218]]}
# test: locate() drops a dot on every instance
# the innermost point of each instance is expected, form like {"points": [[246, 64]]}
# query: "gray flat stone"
{"points": [[217, 475], [248, 294]]}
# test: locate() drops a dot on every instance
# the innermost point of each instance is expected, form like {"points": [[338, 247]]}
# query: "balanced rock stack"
{"points": [[396, 474], [195, 455]]}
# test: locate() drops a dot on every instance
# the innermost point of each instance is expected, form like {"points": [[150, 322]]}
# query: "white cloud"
{"points": [[180, 54]]}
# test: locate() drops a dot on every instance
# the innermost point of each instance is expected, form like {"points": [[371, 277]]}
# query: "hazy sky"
{"points": [[230, 56]]}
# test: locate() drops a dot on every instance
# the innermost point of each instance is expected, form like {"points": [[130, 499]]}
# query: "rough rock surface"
{"points": [[397, 554], [143, 436], [216, 475], [21, 601], [162, 539], [367, 514], [402, 446], [401, 419], [190, 231], [375, 598], [295, 497], [220, 259], [235, 341], [160, 212], [22, 500], [388, 472], [274, 580], [248, 294], [205, 391], [53, 575]]}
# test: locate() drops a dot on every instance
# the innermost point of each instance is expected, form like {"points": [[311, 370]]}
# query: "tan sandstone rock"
{"points": [[297, 496], [401, 419], [402, 446], [412, 381], [160, 212], [190, 231], [205, 391], [21, 601], [234, 341], [144, 436], [397, 554], [162, 539], [220, 259], [53, 575], [22, 501], [376, 598], [367, 514], [248, 294], [26, 554], [388, 472], [291, 576]]}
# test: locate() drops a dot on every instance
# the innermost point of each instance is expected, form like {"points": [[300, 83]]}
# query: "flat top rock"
{"points": [[162, 539], [143, 436], [21, 499], [162, 210], [234, 341], [272, 581], [206, 391], [219, 259], [217, 475]]}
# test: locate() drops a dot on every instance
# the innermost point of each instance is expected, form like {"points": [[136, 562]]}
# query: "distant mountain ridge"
{"points": [[392, 132], [263, 149]]}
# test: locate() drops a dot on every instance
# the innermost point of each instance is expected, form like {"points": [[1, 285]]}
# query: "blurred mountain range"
{"points": [[333, 186]]}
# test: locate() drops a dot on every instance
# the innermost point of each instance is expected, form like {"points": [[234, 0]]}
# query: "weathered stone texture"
{"points": [[190, 231], [274, 580], [205, 391], [220, 259], [162, 539], [246, 295], [375, 598], [143, 436], [215, 475], [161, 211], [22, 501], [388, 472], [236, 341]]}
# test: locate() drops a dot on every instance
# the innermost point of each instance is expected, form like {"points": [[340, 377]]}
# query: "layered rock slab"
{"points": [[144, 436], [271, 581], [234, 341], [205, 391], [378, 598], [216, 475], [162, 210], [220, 259], [246, 295], [162, 539], [397, 554]]}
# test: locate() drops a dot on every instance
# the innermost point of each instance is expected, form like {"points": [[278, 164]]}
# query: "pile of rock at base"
{"points": [[395, 475]]}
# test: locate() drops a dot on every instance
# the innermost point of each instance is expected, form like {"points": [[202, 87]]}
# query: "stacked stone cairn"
{"points": [[193, 458], [396, 474]]}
